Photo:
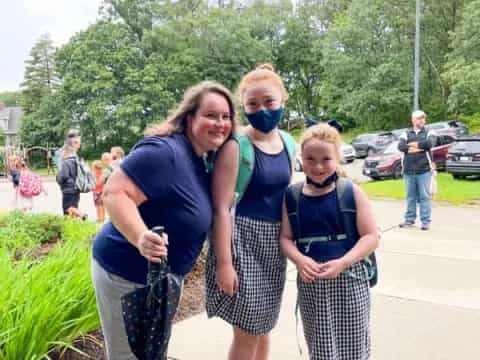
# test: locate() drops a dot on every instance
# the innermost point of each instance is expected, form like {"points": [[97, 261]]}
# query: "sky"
{"points": [[23, 21]]}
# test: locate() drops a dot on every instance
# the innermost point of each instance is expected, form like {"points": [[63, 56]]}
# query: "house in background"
{"points": [[10, 121]]}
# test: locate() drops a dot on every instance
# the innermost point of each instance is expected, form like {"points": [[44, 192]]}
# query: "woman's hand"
{"points": [[331, 269], [308, 269], [152, 246], [227, 279]]}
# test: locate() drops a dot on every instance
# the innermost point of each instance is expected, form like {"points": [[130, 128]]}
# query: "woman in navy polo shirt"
{"points": [[163, 181]]}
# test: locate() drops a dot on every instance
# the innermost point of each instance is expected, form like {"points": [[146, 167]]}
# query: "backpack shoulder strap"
{"points": [[290, 143], [348, 212], [347, 206], [246, 163], [292, 200], [345, 195]]}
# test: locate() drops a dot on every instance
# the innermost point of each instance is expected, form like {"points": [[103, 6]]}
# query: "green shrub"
{"points": [[18, 229], [473, 122], [51, 303]]}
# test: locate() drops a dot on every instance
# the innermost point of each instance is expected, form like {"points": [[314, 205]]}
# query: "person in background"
{"points": [[433, 182], [29, 186], [415, 144], [66, 178], [107, 164], [72, 143], [97, 168], [14, 172], [117, 156]]}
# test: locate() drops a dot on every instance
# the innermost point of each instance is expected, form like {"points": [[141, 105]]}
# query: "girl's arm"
{"points": [[307, 268], [223, 188], [121, 198], [366, 244]]}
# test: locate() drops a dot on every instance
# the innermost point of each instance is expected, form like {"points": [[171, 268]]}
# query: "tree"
{"points": [[10, 98], [107, 89], [40, 77], [463, 67]]}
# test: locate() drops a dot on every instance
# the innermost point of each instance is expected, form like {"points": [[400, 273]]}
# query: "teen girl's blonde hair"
{"points": [[176, 122], [261, 72], [328, 134]]}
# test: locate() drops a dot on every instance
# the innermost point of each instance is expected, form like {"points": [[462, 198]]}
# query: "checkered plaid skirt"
{"points": [[335, 316], [261, 270]]}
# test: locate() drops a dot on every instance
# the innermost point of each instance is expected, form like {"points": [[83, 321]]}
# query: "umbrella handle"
{"points": [[154, 269]]}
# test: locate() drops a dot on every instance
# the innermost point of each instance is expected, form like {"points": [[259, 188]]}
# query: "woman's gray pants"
{"points": [[109, 289]]}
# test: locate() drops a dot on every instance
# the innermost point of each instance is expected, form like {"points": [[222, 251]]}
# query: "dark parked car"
{"points": [[464, 157], [369, 144], [458, 128], [388, 163], [363, 143]]}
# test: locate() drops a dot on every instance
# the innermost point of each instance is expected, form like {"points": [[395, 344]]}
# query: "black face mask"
{"points": [[328, 181]]}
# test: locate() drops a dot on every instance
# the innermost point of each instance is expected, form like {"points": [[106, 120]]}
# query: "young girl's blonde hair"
{"points": [[328, 134], [97, 164], [261, 72]]}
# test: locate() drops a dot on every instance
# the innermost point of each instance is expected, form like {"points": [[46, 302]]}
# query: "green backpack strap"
{"points": [[246, 160], [290, 144]]}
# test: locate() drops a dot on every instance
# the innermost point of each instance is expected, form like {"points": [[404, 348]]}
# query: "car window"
{"points": [[443, 140], [436, 126], [392, 148], [467, 146]]}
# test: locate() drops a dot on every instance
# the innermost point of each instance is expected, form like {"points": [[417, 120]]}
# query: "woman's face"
{"points": [[262, 95], [319, 159], [211, 125]]}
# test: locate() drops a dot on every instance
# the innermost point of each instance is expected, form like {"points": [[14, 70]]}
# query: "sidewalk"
{"points": [[425, 307]]}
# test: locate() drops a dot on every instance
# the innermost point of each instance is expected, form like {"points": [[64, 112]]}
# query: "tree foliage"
{"points": [[349, 59], [10, 98]]}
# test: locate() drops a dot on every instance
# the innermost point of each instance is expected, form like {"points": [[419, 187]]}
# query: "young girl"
{"points": [[107, 161], [333, 288], [98, 190], [245, 269], [29, 186]]}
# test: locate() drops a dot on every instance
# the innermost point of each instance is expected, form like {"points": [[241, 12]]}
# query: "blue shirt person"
{"points": [[162, 182]]}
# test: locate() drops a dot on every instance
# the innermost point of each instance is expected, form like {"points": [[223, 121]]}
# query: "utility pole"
{"points": [[416, 76]]}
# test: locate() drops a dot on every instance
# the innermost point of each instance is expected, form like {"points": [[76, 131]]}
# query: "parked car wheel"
{"points": [[397, 172], [457, 177]]}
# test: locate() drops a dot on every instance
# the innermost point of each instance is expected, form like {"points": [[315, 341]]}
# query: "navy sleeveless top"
{"points": [[320, 216], [264, 194]]}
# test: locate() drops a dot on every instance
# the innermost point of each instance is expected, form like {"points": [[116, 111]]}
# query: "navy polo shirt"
{"points": [[176, 184]]}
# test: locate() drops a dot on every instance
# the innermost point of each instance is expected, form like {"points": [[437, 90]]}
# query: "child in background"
{"points": [[14, 171], [107, 166], [29, 186], [333, 287], [98, 190]]}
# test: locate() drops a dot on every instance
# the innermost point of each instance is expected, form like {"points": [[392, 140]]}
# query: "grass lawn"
{"points": [[449, 190]]}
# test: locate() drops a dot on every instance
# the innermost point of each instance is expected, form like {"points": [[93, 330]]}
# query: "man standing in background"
{"points": [[415, 144]]}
